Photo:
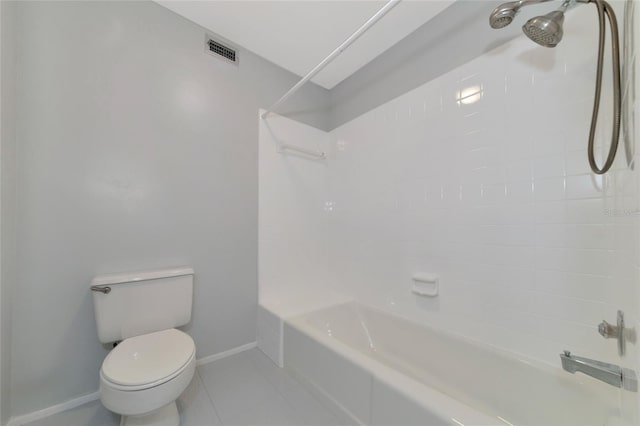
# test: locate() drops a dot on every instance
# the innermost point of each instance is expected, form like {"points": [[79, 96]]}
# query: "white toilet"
{"points": [[142, 377]]}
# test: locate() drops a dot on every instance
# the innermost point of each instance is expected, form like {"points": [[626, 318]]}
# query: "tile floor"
{"points": [[244, 389]]}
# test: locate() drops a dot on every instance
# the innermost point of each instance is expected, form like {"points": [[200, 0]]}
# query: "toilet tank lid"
{"points": [[127, 277]]}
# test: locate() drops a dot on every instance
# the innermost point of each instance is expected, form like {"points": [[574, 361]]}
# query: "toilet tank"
{"points": [[142, 302]]}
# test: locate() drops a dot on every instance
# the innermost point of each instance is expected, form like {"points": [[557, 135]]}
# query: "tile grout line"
{"points": [[256, 369], [279, 392], [213, 404], [284, 397]]}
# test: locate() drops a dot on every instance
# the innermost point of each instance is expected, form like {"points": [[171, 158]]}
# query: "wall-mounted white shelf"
{"points": [[426, 285]]}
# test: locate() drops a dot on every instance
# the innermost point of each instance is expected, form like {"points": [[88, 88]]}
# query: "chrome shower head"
{"points": [[546, 30], [503, 15]]}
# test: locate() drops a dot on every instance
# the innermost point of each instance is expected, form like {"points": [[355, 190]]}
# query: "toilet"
{"points": [[152, 362]]}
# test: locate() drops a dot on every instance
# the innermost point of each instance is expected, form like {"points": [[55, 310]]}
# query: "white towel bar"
{"points": [[310, 152]]}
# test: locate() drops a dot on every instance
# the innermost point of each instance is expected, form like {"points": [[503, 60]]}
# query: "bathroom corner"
{"points": [[8, 141]]}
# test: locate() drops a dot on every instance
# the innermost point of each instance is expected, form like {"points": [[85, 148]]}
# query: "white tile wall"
{"points": [[293, 226], [293, 251], [480, 176]]}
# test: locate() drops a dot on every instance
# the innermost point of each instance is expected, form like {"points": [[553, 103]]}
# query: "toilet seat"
{"points": [[149, 360]]}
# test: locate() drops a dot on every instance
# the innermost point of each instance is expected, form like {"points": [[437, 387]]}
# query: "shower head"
{"points": [[503, 15], [546, 30]]}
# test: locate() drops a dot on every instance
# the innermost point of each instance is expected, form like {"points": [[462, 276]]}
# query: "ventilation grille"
{"points": [[222, 50]]}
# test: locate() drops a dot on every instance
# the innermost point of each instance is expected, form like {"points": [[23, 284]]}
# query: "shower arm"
{"points": [[524, 3]]}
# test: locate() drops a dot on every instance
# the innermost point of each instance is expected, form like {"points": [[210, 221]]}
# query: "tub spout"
{"points": [[608, 373]]}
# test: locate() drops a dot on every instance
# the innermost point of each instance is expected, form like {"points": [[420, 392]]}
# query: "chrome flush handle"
{"points": [[101, 289], [610, 331]]}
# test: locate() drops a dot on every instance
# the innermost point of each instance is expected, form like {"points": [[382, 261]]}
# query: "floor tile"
{"points": [[308, 410], [195, 407], [273, 373], [246, 389], [242, 395], [234, 384], [89, 414], [274, 412]]}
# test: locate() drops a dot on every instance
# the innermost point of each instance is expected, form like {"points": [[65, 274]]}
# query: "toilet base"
{"points": [[165, 416]]}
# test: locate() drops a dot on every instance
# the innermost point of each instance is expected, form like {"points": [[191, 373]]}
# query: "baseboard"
{"points": [[220, 355], [54, 409], [76, 402]]}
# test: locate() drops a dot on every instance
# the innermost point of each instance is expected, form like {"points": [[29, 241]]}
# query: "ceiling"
{"points": [[297, 35]]}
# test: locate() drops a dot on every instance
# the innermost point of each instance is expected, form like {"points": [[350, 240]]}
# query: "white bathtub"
{"points": [[383, 370]]}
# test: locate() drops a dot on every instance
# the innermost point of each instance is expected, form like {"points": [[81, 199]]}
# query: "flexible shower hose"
{"points": [[605, 8]]}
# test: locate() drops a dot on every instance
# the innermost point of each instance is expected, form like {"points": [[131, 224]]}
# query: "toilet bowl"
{"points": [[143, 376], [146, 372]]}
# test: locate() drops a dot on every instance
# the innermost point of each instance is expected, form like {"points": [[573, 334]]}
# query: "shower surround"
{"points": [[480, 176]]}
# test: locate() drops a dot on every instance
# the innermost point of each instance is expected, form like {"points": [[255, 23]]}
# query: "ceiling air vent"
{"points": [[218, 49]]}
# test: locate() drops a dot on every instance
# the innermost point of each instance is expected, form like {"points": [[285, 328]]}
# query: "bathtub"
{"points": [[378, 369]]}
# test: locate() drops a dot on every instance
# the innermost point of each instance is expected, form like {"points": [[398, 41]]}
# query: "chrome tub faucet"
{"points": [[610, 331], [608, 373]]}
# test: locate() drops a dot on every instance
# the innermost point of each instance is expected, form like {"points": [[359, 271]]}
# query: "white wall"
{"points": [[293, 226], [135, 150], [495, 196], [293, 259], [7, 198]]}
